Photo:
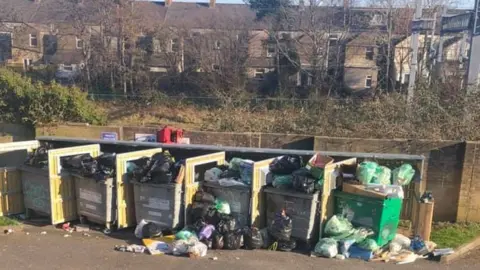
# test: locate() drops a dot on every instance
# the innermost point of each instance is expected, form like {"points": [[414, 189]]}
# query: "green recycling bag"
{"points": [[382, 176], [403, 175], [326, 247], [338, 227], [222, 207], [369, 244], [366, 172]]}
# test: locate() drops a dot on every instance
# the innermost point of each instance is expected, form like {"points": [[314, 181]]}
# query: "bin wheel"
{"points": [[83, 220], [107, 231]]}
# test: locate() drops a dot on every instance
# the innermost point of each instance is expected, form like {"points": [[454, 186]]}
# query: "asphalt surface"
{"points": [[29, 249]]}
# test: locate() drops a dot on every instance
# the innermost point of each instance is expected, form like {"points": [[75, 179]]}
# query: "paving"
{"points": [[30, 249]]}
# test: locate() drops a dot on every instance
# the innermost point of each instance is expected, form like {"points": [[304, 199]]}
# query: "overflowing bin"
{"points": [[303, 209], [164, 204], [51, 191], [246, 201], [381, 215]]}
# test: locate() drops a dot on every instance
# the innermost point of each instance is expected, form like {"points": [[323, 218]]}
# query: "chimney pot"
{"points": [[168, 3]]}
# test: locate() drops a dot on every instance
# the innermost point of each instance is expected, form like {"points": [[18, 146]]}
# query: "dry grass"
{"points": [[435, 114]]}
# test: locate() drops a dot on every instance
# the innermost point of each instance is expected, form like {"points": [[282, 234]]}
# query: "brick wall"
{"points": [[469, 202]]}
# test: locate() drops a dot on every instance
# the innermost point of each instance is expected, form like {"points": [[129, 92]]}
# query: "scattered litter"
{"points": [[8, 231], [67, 235], [86, 234], [82, 228], [107, 231], [443, 251], [237, 258], [198, 250], [155, 247], [340, 257], [214, 259], [43, 233], [27, 233], [66, 227], [131, 248]]}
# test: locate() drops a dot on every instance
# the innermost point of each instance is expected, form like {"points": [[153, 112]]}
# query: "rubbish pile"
{"points": [[237, 172], [381, 179], [290, 173], [161, 168], [38, 157], [342, 241], [213, 227], [99, 168]]}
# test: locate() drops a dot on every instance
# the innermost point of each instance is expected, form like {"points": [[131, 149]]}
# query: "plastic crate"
{"points": [[381, 215]]}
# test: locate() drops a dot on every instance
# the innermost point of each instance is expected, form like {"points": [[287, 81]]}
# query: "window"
{"points": [[369, 53], [79, 43], [5, 46], [259, 73], [174, 45], [157, 46], [368, 82], [27, 63], [216, 67], [271, 50], [33, 40], [217, 45]]}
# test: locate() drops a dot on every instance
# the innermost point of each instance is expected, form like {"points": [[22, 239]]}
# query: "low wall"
{"points": [[451, 166], [17, 132], [5, 139]]}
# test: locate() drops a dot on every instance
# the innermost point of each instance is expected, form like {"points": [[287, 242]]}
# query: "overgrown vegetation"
{"points": [[453, 235], [6, 221], [31, 103], [437, 112]]}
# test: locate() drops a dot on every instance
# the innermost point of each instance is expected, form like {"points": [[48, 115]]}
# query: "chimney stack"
{"points": [[168, 3], [346, 4], [212, 3]]}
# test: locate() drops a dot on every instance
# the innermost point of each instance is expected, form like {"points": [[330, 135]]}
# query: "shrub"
{"points": [[25, 102]]}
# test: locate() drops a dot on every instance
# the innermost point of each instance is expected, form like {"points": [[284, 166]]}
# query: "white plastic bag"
{"points": [[229, 182], [179, 247], [139, 228], [198, 250]]}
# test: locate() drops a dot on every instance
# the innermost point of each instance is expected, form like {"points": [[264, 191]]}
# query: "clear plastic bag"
{"points": [[366, 171], [326, 247], [403, 175], [198, 250], [383, 176], [338, 226]]}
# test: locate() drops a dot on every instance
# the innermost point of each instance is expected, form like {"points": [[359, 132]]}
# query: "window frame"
{"points": [[33, 37], [270, 46], [77, 40], [368, 78], [369, 53]]}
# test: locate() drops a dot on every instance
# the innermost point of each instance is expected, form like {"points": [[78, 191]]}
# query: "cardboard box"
{"points": [[360, 190]]}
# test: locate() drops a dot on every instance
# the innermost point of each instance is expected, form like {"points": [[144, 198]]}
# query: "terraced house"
{"points": [[122, 43]]}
